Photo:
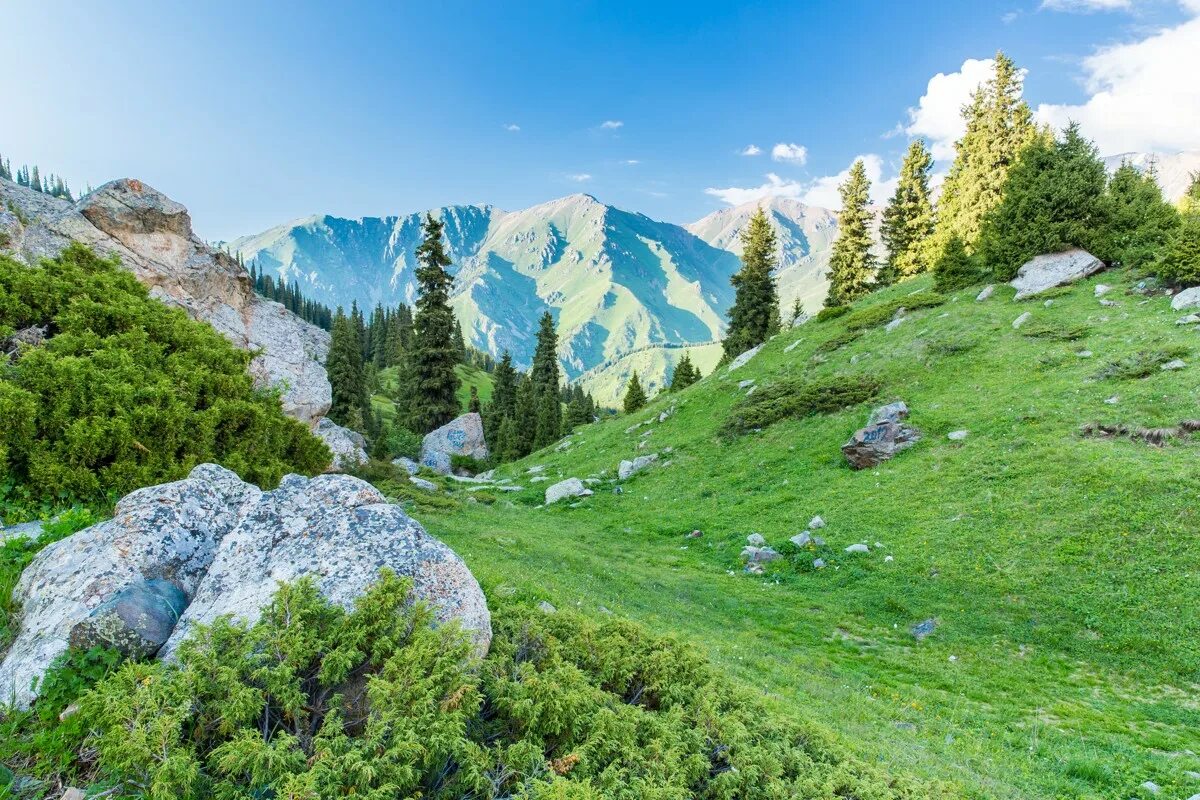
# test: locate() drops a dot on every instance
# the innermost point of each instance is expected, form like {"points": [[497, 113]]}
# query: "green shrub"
{"points": [[1180, 262], [837, 341], [468, 463], [316, 702], [1140, 365], [792, 399], [831, 312], [127, 392], [403, 442], [874, 316], [1055, 331]]}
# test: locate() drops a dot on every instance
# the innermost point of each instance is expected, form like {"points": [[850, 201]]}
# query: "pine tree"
{"points": [[473, 405], [545, 377], [460, 344], [1139, 221], [549, 420], [999, 126], [1053, 200], [35, 182], [5, 169], [1180, 262], [577, 409], [851, 265], [434, 355], [754, 317], [524, 418], [684, 374], [345, 368], [954, 269], [908, 219], [635, 396], [1190, 202]]}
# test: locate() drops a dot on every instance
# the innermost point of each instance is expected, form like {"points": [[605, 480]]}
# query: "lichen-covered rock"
{"points": [[462, 436], [137, 620], [1054, 269], [226, 545], [152, 235], [571, 487], [348, 447], [437, 461], [168, 532], [339, 531], [627, 469], [407, 464]]}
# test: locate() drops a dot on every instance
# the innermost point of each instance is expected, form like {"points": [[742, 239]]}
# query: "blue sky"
{"points": [[253, 113]]}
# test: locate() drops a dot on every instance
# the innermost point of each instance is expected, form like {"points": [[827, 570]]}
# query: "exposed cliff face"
{"points": [[152, 235]]}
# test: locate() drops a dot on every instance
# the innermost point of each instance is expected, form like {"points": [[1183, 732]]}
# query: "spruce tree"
{"points": [[576, 410], [1053, 200], [345, 368], [434, 354], [1139, 222], [1180, 262], [549, 420], [908, 219], [545, 377], [851, 266], [754, 317], [999, 126], [635, 396], [1190, 202], [473, 405], [524, 418], [955, 268], [684, 374], [460, 344]]}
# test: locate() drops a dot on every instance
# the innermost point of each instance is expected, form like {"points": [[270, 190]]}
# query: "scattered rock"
{"points": [[985, 294], [563, 445], [895, 323], [349, 448], [1177, 363], [858, 548], [1190, 319], [1101, 289], [571, 487], [1054, 269], [407, 464], [816, 522], [792, 346], [923, 629], [1112, 401], [25, 530], [818, 563], [888, 558], [1084, 354], [666, 415], [892, 412], [802, 539], [696, 534], [1021, 320], [957, 436], [136, 621], [421, 483], [751, 390], [547, 608], [1108, 303], [758, 555], [73, 794], [754, 568], [741, 360], [225, 545], [1048, 303], [1151, 787], [32, 336], [627, 469], [756, 540], [884, 437], [534, 470], [1188, 298], [746, 384]]}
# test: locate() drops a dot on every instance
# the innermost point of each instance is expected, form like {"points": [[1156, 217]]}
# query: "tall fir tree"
{"points": [[851, 265], [345, 368], [1190, 202], [635, 395], [460, 343], [754, 317], [1139, 221], [908, 219], [524, 418], [684, 374], [545, 377], [473, 404], [1053, 200], [498, 416], [999, 126], [434, 354]]}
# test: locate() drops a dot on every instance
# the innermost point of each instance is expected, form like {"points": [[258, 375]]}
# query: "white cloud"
{"points": [[512, 127], [750, 150], [1144, 95], [820, 192], [774, 187], [938, 114], [1087, 6], [579, 177], [611, 124], [631, 162], [791, 153]]}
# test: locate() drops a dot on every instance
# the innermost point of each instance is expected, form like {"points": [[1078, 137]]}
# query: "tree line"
{"points": [[31, 178]]}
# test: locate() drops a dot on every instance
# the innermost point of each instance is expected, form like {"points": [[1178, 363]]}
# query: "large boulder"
{"points": [[1188, 298], [168, 532], [627, 469], [883, 437], [1054, 269], [462, 436], [348, 447], [571, 487], [153, 237], [224, 545]]}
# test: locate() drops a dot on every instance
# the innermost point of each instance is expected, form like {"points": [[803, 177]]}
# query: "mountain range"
{"points": [[628, 293]]}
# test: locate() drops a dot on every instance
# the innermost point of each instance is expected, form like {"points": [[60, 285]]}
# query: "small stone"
{"points": [[985, 294], [1112, 401], [751, 390], [957, 436], [547, 608], [1021, 320], [803, 539], [73, 794], [923, 629], [858, 548], [696, 534], [1177, 363], [68, 712], [618, 490], [746, 384], [1109, 303], [1151, 787], [816, 523], [891, 326], [1102, 289], [818, 563], [1048, 303], [421, 483], [1188, 298], [756, 540], [741, 360], [571, 487], [888, 558], [792, 346], [905, 726], [407, 464], [754, 568], [1192, 774], [759, 554], [627, 469], [1190, 319], [1084, 354]]}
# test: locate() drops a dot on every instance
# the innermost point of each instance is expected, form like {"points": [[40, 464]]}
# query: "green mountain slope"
{"points": [[468, 376], [1061, 569]]}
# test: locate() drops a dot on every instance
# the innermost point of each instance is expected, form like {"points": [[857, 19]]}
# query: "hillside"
{"points": [[1057, 568], [468, 376]]}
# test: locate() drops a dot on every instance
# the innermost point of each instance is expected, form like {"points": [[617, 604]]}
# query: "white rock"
{"points": [[816, 523], [348, 447], [1021, 320], [888, 558], [1151, 787], [1190, 319], [1188, 298], [1084, 353], [1054, 269], [741, 360], [756, 540], [1177, 363], [627, 469], [957, 436], [547, 608], [792, 346], [571, 487], [1109, 303], [891, 326], [746, 384], [421, 483], [1048, 303], [985, 294], [1102, 289], [858, 548], [1112, 401]]}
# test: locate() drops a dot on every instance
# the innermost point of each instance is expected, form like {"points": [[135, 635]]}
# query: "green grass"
{"points": [[1062, 570], [467, 376]]}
